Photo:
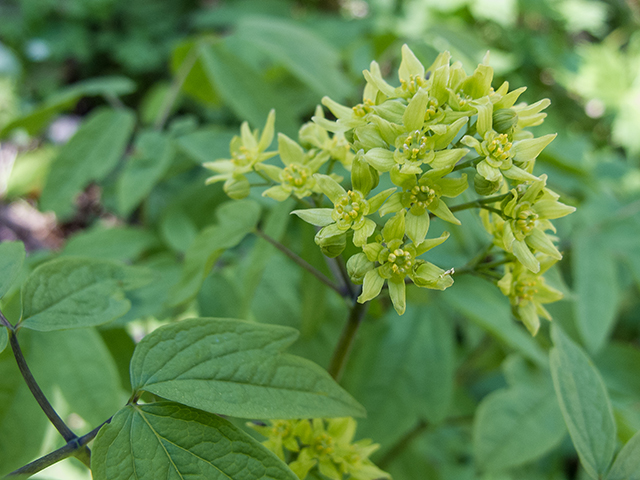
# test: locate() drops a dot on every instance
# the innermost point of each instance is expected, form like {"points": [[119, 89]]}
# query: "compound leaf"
{"points": [[236, 368]]}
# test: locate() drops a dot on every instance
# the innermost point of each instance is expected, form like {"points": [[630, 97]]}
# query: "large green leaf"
{"points": [[584, 403], [627, 463], [516, 425], [122, 243], [91, 154], [236, 220], [306, 55], [74, 292], [405, 373], [596, 289], [22, 423], [236, 368], [151, 158], [36, 120], [76, 368], [482, 303], [11, 259], [167, 440]]}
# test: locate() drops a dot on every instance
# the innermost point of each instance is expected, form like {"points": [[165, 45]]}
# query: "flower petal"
{"points": [[371, 286], [320, 217], [397, 292], [417, 226]]}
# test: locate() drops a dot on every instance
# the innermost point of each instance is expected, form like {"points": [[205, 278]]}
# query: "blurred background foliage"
{"points": [[154, 88]]}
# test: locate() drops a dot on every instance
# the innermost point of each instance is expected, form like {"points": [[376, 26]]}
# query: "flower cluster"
{"points": [[325, 444], [419, 136]]}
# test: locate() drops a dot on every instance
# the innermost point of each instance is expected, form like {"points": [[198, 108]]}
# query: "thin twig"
{"points": [[469, 163], [54, 457], [176, 86], [6, 322], [299, 260], [347, 339], [403, 443], [479, 203], [83, 455]]}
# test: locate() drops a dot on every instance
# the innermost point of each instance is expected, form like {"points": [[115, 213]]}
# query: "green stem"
{"points": [[299, 260], [347, 339], [403, 443], [84, 454], [469, 163], [480, 203], [6, 323], [176, 86], [67, 451]]}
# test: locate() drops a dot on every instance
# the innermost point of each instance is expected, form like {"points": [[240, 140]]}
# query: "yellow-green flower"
{"points": [[527, 293], [350, 209], [247, 150], [421, 196], [325, 444], [314, 136], [297, 176], [396, 260], [526, 216]]}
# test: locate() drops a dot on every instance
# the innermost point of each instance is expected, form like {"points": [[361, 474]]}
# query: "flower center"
{"points": [[324, 444], [363, 108], [422, 196], [500, 147], [525, 290], [414, 83], [295, 175], [401, 261], [432, 109], [414, 146], [525, 220], [350, 207], [241, 158]]}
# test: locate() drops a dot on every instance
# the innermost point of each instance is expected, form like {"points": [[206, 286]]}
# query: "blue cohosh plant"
{"points": [[419, 137], [415, 134]]}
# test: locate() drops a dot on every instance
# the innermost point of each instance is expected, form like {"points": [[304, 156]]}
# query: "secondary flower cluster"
{"points": [[325, 444], [415, 139]]}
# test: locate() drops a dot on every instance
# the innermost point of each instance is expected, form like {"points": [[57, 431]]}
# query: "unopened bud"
{"points": [[504, 120], [357, 266], [484, 186], [237, 187]]}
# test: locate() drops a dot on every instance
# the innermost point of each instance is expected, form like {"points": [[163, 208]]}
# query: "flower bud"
{"points": [[331, 243], [357, 266], [484, 186], [504, 120], [237, 187]]}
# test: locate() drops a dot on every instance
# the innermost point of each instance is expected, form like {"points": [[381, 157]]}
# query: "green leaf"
{"points": [[236, 220], [122, 243], [152, 156], [306, 55], [77, 292], [4, 338], [405, 373], [483, 304], [76, 370], [35, 121], [22, 423], [11, 258], [167, 440], [207, 144], [596, 287], [627, 463], [90, 155], [232, 367], [584, 403], [516, 425]]}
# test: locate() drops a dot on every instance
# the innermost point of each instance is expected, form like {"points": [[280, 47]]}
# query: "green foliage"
{"points": [[77, 292], [90, 156], [236, 368], [584, 403], [170, 440], [110, 109]]}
